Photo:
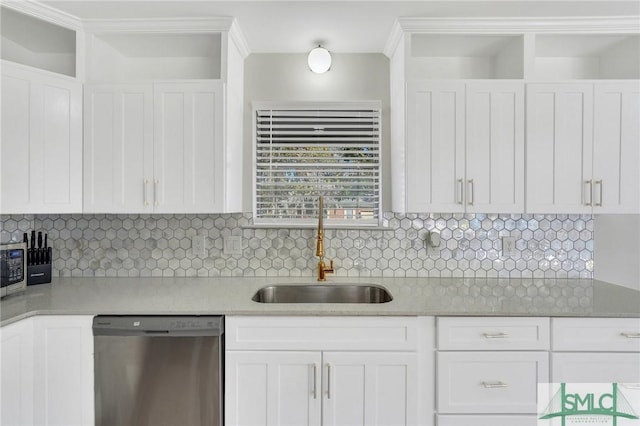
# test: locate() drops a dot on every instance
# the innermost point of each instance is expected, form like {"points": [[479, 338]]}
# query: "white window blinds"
{"points": [[301, 153]]}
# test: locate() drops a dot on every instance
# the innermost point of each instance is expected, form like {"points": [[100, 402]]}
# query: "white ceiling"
{"points": [[341, 26]]}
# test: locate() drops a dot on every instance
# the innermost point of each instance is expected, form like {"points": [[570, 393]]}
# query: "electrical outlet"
{"points": [[199, 245], [508, 246], [433, 242], [232, 245]]}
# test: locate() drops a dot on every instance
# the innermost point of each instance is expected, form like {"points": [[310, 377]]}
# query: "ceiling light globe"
{"points": [[319, 60]]}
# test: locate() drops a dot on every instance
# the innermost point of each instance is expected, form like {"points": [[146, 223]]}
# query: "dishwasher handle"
{"points": [[158, 326]]}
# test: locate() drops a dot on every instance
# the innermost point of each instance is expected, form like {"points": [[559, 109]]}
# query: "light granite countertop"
{"points": [[411, 296]]}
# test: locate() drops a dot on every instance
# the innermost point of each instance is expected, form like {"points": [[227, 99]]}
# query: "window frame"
{"points": [[330, 223]]}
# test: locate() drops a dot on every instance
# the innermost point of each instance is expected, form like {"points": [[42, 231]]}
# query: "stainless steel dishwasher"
{"points": [[158, 370]]}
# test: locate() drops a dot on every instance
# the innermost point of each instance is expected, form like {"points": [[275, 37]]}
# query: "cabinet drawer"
{"points": [[477, 333], [486, 420], [596, 334], [591, 367], [490, 382], [321, 333]]}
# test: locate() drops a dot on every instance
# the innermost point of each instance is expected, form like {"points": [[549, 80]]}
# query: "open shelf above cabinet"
{"points": [[466, 56], [587, 56], [36, 43], [142, 56]]}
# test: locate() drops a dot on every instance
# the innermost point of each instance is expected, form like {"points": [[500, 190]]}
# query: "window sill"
{"points": [[325, 227]]}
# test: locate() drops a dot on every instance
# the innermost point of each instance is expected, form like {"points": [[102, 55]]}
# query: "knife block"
{"points": [[39, 274]]}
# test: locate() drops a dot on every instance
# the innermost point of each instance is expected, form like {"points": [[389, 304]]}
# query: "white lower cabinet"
{"points": [[16, 385], [63, 370], [47, 371], [596, 350], [488, 370], [301, 377], [490, 382], [273, 388]]}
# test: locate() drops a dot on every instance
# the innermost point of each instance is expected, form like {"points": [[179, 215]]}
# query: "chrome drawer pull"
{"points": [[631, 335], [460, 189], [145, 183], [590, 192], [155, 191], [633, 386], [494, 385], [495, 335], [328, 381], [315, 382]]}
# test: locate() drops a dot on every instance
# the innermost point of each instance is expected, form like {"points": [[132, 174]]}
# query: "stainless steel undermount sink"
{"points": [[323, 293]]}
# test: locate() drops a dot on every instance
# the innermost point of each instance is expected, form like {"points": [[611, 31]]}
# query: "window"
{"points": [[303, 151]]}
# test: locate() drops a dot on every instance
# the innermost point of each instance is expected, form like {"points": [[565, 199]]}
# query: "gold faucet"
{"points": [[322, 266]]}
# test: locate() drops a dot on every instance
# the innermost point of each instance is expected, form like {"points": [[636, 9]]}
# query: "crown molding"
{"points": [[173, 25], [44, 12], [393, 40], [591, 25], [237, 35]]}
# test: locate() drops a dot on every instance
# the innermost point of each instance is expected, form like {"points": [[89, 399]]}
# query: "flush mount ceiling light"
{"points": [[319, 60]]}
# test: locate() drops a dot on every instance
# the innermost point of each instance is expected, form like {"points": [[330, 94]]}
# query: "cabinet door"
{"points": [[63, 370], [435, 147], [41, 142], [559, 148], [118, 148], [616, 148], [495, 147], [272, 388], [16, 376], [188, 147], [370, 389]]}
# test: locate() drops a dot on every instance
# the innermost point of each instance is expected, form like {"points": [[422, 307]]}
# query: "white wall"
{"points": [[286, 77], [617, 249]]}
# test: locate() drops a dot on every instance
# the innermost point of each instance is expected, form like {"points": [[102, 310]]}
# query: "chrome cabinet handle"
{"points": [[590, 192], [470, 182], [494, 385], [155, 191], [631, 335], [315, 382], [599, 203], [495, 335], [328, 381], [631, 385], [460, 188], [145, 195]]}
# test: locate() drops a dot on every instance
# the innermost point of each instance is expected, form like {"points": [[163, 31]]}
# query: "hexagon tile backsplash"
{"points": [[547, 246]]}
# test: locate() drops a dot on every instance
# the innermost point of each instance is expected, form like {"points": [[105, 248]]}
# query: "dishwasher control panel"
{"points": [[204, 325]]}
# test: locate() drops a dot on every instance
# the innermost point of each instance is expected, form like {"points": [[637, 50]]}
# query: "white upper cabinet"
{"points": [[559, 147], [163, 127], [41, 142], [616, 148], [41, 165], [434, 169], [188, 148], [583, 147], [154, 148], [459, 114], [118, 148], [465, 147], [495, 147]]}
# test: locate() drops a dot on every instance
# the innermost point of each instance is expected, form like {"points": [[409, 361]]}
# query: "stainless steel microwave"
{"points": [[13, 268]]}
